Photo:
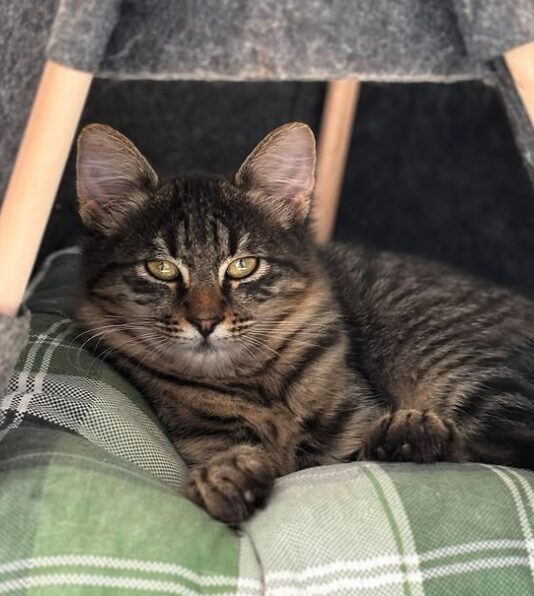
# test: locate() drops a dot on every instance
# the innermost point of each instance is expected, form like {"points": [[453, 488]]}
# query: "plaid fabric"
{"points": [[90, 500]]}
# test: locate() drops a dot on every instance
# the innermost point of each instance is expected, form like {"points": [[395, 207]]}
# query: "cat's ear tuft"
{"points": [[280, 172], [113, 178]]}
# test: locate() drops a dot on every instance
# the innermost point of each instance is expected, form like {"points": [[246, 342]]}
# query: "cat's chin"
{"points": [[216, 359]]}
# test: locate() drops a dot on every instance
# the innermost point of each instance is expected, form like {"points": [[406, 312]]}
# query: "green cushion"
{"points": [[90, 499]]}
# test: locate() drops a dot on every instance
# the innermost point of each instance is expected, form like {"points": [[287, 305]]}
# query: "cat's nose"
{"points": [[205, 326]]}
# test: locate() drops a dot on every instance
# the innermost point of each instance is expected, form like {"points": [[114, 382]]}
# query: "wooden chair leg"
{"points": [[520, 62], [334, 142], [36, 175]]}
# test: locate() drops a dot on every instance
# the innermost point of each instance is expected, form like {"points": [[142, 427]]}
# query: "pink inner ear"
{"points": [[108, 178], [112, 176], [289, 172], [283, 165]]}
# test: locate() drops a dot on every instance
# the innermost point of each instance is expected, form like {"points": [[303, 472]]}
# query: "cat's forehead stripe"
{"points": [[204, 224], [163, 244], [198, 228], [243, 241], [170, 240]]}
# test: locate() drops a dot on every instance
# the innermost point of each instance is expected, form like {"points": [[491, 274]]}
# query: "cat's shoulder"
{"points": [[359, 260], [356, 265]]}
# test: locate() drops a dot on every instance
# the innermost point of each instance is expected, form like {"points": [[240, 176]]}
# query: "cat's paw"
{"points": [[231, 486], [412, 435]]}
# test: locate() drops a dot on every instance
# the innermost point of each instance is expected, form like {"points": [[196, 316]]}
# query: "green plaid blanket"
{"points": [[90, 500]]}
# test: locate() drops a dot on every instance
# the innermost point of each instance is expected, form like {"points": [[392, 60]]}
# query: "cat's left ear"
{"points": [[113, 178], [279, 174]]}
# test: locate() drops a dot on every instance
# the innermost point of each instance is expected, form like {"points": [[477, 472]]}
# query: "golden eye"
{"points": [[163, 270], [243, 267]]}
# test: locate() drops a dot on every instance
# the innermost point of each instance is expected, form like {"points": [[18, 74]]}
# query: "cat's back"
{"points": [[404, 310]]}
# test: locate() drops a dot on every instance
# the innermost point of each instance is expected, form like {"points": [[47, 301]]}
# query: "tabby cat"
{"points": [[263, 354]]}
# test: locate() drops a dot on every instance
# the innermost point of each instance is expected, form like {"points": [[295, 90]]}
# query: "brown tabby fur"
{"points": [[320, 357]]}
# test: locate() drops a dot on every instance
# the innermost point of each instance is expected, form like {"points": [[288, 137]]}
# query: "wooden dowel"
{"points": [[334, 143], [520, 63], [36, 176]]}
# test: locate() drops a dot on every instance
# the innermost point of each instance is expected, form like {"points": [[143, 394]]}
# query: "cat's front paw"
{"points": [[231, 486], [412, 435]]}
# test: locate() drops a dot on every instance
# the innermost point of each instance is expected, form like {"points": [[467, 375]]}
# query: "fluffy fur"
{"points": [[317, 357]]}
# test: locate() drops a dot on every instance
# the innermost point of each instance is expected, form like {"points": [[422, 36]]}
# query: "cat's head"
{"points": [[200, 273]]}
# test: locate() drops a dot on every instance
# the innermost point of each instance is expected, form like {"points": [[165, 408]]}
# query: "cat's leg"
{"points": [[486, 419], [413, 435], [425, 437], [234, 484], [503, 431]]}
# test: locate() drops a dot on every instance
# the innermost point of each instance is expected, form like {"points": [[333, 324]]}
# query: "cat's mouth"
{"points": [[205, 345], [214, 356]]}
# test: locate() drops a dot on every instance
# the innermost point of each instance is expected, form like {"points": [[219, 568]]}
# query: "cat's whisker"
{"points": [[302, 338], [303, 330], [156, 346], [249, 349], [262, 345], [101, 336], [301, 323], [130, 341], [111, 326]]}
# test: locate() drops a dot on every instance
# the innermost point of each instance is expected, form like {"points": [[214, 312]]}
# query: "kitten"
{"points": [[263, 354]]}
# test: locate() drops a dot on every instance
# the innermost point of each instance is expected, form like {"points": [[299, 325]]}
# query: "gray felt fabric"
{"points": [[14, 335], [24, 31], [290, 39], [81, 32], [519, 120], [491, 27], [284, 39]]}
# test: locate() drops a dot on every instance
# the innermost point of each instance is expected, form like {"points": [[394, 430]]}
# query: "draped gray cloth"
{"points": [[379, 40]]}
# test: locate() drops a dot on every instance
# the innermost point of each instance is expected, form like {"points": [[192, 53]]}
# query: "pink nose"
{"points": [[205, 326]]}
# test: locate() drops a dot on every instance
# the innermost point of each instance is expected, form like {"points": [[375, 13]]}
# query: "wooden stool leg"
{"points": [[334, 142], [520, 62], [36, 175]]}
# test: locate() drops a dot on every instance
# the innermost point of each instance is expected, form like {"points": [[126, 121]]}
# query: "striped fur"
{"points": [[321, 356]]}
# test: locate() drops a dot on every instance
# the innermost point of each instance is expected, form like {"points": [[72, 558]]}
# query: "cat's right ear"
{"points": [[280, 173], [113, 178]]}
